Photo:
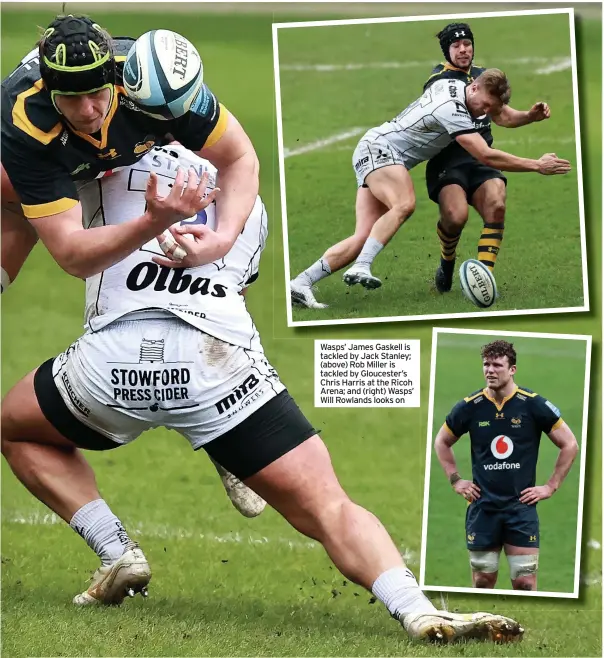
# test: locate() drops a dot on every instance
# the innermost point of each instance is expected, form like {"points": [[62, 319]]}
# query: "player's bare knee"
{"points": [[495, 210], [402, 210], [526, 584], [454, 219], [485, 580]]}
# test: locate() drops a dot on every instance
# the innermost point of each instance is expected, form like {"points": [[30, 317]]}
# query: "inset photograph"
{"points": [[430, 166], [505, 460]]}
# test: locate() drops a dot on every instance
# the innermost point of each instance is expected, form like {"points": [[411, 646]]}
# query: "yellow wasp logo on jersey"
{"points": [[145, 146], [516, 421]]}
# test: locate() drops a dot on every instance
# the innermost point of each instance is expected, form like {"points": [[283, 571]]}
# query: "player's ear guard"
{"points": [[76, 56]]}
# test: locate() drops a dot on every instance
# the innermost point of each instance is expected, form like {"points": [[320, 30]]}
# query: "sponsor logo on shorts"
{"points": [[361, 162], [150, 385], [241, 393], [175, 281], [471, 538], [80, 406], [533, 538], [502, 447]]}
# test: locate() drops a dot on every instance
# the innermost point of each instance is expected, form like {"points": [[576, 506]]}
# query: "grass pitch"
{"points": [[223, 585], [346, 79]]}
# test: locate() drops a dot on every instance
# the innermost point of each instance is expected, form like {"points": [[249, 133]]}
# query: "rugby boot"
{"points": [[443, 278], [302, 295], [445, 627], [111, 583], [246, 502], [363, 276]]}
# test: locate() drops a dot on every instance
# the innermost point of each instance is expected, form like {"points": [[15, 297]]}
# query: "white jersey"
{"points": [[428, 125], [207, 297]]}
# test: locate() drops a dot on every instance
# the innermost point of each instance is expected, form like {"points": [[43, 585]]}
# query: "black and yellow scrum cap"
{"points": [[76, 56]]}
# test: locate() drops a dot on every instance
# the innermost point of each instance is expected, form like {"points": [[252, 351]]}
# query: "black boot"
{"points": [[443, 279]]}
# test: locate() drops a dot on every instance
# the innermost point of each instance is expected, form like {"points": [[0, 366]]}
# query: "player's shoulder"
{"points": [[474, 397], [535, 400], [526, 394], [27, 111], [475, 71]]}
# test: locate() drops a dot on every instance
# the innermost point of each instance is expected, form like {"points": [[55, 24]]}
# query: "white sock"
{"points": [[4, 280], [101, 530], [370, 250], [398, 590], [314, 273]]}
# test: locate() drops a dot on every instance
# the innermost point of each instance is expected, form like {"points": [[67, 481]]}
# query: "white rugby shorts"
{"points": [[374, 153], [134, 375]]}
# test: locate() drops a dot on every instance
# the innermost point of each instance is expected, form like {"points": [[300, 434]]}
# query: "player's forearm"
{"points": [[513, 119], [563, 465], [239, 184], [88, 252], [446, 457], [508, 162]]}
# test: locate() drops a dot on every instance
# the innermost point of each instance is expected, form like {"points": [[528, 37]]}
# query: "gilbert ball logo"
{"points": [[502, 447]]}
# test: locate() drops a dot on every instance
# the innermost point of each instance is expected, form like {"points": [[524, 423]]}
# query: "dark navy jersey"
{"points": [[43, 155], [504, 441], [454, 154]]}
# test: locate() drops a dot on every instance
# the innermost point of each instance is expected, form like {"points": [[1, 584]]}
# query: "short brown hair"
{"points": [[498, 349], [496, 83]]}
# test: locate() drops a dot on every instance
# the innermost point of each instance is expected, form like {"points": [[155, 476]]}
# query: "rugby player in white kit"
{"points": [[384, 156], [176, 347]]}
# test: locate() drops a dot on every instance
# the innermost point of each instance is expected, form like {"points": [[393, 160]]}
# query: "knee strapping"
{"points": [[523, 565], [484, 561]]}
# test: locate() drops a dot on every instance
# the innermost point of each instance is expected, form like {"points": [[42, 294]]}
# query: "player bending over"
{"points": [[455, 179], [65, 120], [384, 156], [505, 423], [176, 347]]}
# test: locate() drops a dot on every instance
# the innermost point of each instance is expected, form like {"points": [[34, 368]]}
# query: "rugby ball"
{"points": [[478, 283], [163, 74]]}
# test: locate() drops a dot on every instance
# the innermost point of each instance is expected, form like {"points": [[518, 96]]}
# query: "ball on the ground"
{"points": [[478, 283], [163, 74]]}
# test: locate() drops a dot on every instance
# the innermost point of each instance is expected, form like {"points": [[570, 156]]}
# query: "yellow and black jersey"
{"points": [[447, 71], [504, 440], [43, 155]]}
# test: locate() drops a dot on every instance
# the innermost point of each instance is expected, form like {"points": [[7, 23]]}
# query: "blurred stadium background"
{"points": [[224, 585]]}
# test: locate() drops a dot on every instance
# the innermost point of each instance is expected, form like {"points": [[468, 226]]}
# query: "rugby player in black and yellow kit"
{"points": [[66, 118], [505, 423], [456, 179]]}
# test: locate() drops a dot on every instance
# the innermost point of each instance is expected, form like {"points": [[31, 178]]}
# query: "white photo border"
{"points": [[282, 185], [436, 331]]}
